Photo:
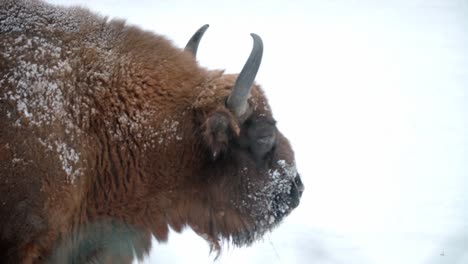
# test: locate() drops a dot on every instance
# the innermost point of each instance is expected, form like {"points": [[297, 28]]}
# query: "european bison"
{"points": [[110, 134]]}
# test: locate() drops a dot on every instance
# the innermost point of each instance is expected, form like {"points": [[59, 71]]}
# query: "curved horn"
{"points": [[237, 100], [192, 44]]}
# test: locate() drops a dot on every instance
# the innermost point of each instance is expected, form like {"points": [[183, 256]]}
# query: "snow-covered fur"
{"points": [[109, 134]]}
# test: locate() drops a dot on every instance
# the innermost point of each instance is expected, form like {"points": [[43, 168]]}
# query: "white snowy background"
{"points": [[373, 96]]}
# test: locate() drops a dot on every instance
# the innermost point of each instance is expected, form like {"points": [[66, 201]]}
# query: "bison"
{"points": [[110, 135]]}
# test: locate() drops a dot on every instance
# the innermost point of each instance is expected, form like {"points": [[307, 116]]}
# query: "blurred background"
{"points": [[373, 96]]}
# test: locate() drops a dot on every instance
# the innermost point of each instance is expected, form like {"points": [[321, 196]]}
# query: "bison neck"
{"points": [[137, 166]]}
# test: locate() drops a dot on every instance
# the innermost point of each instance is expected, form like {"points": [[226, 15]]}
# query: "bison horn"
{"points": [[237, 100], [192, 44]]}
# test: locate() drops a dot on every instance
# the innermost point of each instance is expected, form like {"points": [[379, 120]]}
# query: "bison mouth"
{"points": [[269, 206]]}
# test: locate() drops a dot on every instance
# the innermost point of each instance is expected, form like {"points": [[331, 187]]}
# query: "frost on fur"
{"points": [[110, 135]]}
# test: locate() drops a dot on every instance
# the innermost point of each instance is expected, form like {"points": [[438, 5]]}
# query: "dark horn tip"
{"points": [[254, 35], [192, 44], [257, 38], [203, 28]]}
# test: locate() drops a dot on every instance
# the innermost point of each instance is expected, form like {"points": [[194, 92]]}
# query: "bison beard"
{"points": [[109, 134]]}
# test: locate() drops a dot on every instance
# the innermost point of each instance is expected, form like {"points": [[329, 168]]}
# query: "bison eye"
{"points": [[261, 137], [262, 145]]}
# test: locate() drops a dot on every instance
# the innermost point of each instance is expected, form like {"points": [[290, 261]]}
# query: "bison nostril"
{"points": [[297, 188], [295, 196], [298, 183]]}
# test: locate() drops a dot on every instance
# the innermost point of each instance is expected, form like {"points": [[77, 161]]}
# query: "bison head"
{"points": [[246, 181]]}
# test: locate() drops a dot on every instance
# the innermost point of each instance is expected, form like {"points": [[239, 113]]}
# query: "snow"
{"points": [[69, 158], [38, 94], [40, 64], [168, 131], [34, 93], [371, 94]]}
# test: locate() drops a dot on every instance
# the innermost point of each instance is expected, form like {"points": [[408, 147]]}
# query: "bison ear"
{"points": [[219, 128]]}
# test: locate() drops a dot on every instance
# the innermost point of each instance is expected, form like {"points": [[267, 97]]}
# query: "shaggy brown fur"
{"points": [[109, 134]]}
